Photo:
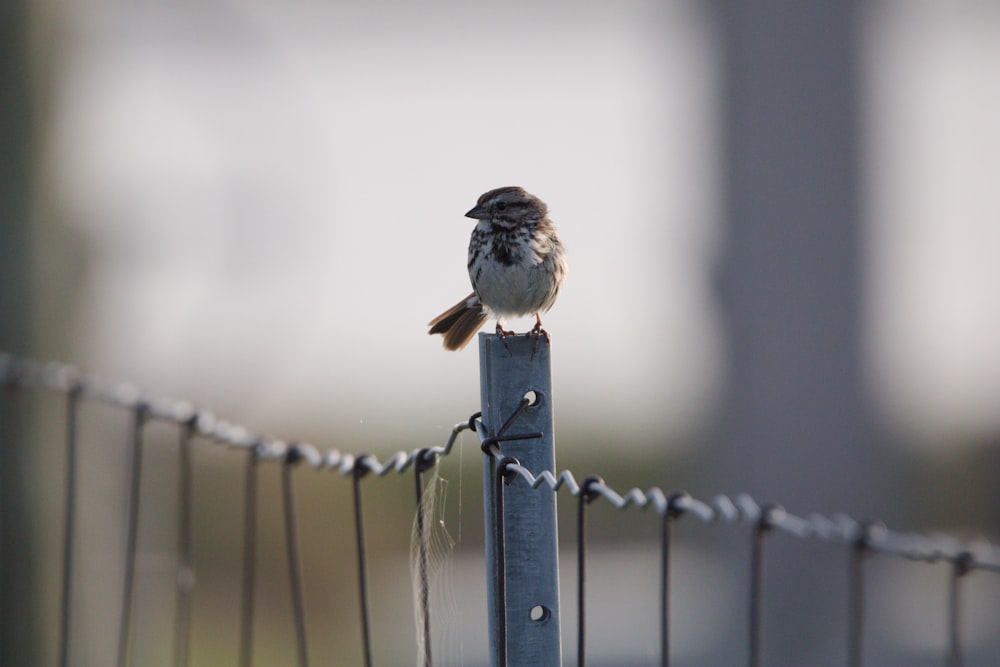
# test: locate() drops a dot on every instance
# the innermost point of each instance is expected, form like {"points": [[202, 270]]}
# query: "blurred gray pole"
{"points": [[797, 423], [18, 611], [506, 374]]}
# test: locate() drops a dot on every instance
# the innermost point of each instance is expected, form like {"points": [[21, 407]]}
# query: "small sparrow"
{"points": [[516, 264]]}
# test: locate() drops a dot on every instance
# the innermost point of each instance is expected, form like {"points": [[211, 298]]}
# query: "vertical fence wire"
{"points": [[586, 497], [292, 556], [665, 535], [249, 574], [756, 556], [139, 414], [581, 579], [672, 512], [423, 462], [958, 571], [359, 472], [69, 525], [857, 554], [185, 569], [499, 541], [760, 530], [859, 538]]}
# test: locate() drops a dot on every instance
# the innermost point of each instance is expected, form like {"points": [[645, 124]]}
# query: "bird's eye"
{"points": [[502, 206]]}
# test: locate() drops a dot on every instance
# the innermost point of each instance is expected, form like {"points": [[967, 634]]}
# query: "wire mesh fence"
{"points": [[858, 540]]}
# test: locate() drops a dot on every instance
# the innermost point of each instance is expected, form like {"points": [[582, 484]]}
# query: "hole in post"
{"points": [[539, 614], [533, 398]]}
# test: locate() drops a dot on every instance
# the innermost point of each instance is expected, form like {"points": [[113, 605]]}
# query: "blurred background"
{"points": [[783, 226]]}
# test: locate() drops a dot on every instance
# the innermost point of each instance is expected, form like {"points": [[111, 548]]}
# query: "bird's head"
{"points": [[508, 206]]}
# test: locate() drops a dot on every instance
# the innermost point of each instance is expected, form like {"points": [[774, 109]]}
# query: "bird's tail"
{"points": [[460, 322]]}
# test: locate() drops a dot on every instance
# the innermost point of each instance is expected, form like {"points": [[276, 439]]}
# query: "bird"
{"points": [[516, 264]]}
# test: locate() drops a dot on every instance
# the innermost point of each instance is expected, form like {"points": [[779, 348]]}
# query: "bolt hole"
{"points": [[539, 614], [533, 398]]}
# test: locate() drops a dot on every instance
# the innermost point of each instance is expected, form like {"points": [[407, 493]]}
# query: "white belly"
{"points": [[514, 290], [520, 278]]}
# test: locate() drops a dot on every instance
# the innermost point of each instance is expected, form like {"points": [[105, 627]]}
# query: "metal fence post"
{"points": [[509, 370]]}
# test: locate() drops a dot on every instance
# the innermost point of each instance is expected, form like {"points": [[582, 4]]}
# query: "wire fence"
{"points": [[859, 539]]}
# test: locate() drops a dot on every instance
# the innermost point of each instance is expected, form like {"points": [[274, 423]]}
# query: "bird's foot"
{"points": [[539, 333], [502, 334]]}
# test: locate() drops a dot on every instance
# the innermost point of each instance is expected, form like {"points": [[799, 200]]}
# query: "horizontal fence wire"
{"points": [[740, 508], [743, 509], [863, 538], [67, 378], [199, 423]]}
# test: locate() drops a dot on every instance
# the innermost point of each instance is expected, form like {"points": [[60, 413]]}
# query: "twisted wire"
{"points": [[203, 424], [67, 378], [864, 538], [838, 528], [743, 509]]}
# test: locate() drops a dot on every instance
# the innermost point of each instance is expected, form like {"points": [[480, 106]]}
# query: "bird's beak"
{"points": [[479, 212]]}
